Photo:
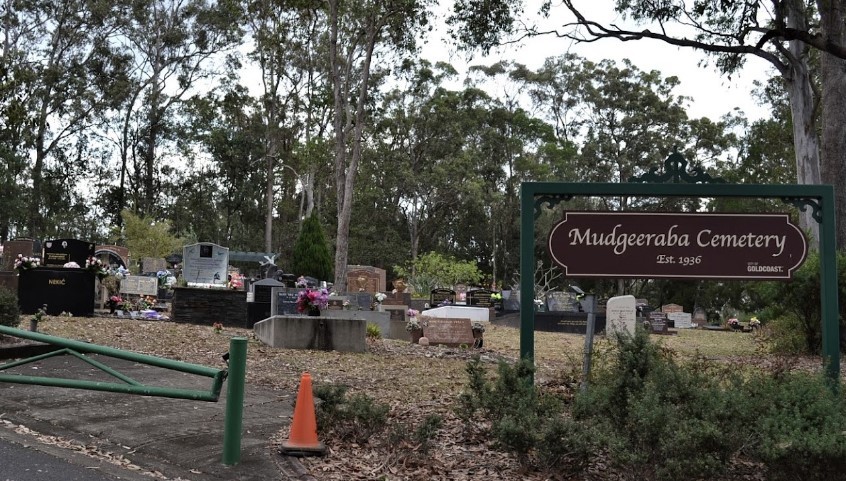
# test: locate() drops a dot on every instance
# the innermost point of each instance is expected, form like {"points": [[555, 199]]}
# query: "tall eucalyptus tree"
{"points": [[171, 45], [359, 33]]}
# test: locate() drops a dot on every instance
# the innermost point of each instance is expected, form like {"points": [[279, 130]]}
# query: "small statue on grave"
{"points": [[362, 283], [399, 285]]}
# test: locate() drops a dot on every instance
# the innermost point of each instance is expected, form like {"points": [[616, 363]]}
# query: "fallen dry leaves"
{"points": [[414, 381]]}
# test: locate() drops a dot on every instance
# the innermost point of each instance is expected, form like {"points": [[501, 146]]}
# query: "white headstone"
{"points": [[620, 315], [139, 285], [682, 320], [205, 263]]}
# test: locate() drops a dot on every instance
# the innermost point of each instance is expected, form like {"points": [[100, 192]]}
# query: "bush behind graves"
{"points": [[10, 314], [311, 252]]}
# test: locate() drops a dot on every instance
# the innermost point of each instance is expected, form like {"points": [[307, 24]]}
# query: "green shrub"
{"points": [[356, 418], [311, 255], [799, 430], [10, 314], [373, 331]]}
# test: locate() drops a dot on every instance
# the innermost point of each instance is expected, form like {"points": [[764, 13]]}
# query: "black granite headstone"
{"points": [[63, 290], [438, 296], [59, 252], [286, 302], [262, 289], [479, 298]]}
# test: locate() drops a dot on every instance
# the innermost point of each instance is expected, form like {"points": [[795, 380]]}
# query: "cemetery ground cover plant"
{"points": [[436, 413]]}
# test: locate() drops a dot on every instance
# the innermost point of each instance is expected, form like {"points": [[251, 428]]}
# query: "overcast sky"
{"points": [[712, 95]]}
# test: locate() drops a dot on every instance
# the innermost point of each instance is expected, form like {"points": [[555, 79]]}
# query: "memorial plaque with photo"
{"points": [[479, 298], [205, 263], [438, 296], [447, 331], [58, 252]]}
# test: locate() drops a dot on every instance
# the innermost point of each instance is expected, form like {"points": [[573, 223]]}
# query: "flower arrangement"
{"points": [[127, 305], [754, 322], [25, 263], [733, 322], [71, 265], [412, 313], [413, 325], [379, 297], [218, 327], [96, 267], [311, 299], [496, 296]]}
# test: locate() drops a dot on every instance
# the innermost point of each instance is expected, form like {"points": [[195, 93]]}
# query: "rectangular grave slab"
{"points": [[447, 331]]}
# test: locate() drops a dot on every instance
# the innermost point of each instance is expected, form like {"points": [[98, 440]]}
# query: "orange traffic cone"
{"points": [[303, 438]]}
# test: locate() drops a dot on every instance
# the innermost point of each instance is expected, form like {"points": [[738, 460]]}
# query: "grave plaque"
{"points": [[447, 331], [284, 301], [63, 290], [561, 302], [205, 263], [336, 303], [396, 322], [11, 249], [668, 308], [139, 285], [153, 264], [58, 252], [438, 296], [397, 299], [658, 321], [620, 315], [479, 298], [681, 320], [365, 279]]}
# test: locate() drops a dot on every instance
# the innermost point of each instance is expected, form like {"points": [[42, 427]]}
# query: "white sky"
{"points": [[711, 95]]}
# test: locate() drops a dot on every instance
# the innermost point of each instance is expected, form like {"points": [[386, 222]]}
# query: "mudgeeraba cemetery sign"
{"points": [[677, 245]]}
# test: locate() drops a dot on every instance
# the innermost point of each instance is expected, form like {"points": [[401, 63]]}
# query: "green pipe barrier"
{"points": [[235, 401]]}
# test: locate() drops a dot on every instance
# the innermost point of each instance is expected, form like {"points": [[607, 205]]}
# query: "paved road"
{"points": [[22, 463]]}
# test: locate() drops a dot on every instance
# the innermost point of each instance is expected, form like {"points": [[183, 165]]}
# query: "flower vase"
{"points": [[313, 311], [416, 334]]}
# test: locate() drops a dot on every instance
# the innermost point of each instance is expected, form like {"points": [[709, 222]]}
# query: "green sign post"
{"points": [[676, 181]]}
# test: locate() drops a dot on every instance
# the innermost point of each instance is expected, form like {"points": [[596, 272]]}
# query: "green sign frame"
{"points": [[676, 181]]}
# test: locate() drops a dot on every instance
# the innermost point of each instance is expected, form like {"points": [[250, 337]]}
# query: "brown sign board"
{"points": [[677, 245]]}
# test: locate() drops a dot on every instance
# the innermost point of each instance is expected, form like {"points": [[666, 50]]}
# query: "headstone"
{"points": [[620, 315], [363, 300], [284, 301], [558, 301], [479, 298], [12, 248], [681, 320], [153, 264], [63, 290], [397, 299], [700, 317], [447, 331], [512, 301], [336, 303], [437, 296], [58, 252], [263, 289], [365, 279], [658, 322], [139, 285], [461, 292], [669, 308], [205, 263], [398, 319]]}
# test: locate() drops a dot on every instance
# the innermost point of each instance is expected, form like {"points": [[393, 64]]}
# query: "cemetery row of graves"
{"points": [[70, 276]]}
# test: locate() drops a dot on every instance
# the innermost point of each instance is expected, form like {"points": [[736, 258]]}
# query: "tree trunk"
{"points": [[805, 138], [833, 147]]}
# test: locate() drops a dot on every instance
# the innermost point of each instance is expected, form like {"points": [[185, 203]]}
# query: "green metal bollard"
{"points": [[234, 401]]}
